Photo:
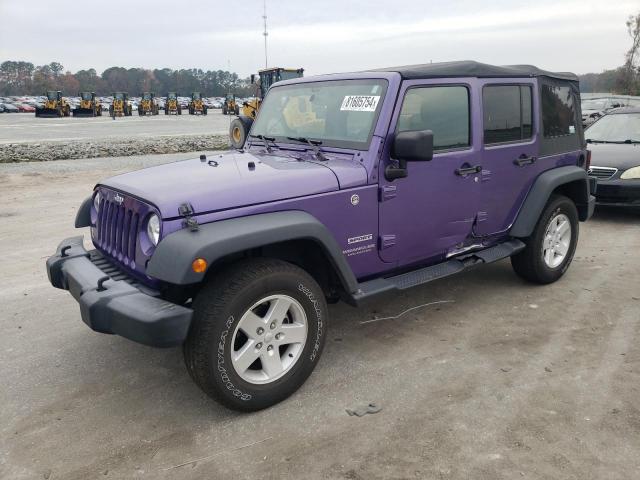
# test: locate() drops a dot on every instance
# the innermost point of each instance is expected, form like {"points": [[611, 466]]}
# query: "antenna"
{"points": [[265, 33]]}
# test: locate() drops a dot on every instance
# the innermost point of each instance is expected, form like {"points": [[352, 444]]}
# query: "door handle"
{"points": [[523, 160], [466, 169]]}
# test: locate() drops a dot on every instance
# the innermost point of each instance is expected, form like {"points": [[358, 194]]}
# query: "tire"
{"points": [[204, 110], [531, 263], [224, 110], [220, 307], [237, 110], [238, 131]]}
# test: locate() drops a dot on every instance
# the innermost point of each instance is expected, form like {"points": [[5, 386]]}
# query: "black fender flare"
{"points": [[83, 216], [172, 259], [547, 182]]}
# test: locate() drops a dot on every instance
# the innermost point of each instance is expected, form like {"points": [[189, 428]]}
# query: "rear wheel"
{"points": [[551, 247], [257, 333]]}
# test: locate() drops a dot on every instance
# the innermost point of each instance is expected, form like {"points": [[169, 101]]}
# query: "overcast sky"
{"points": [[321, 36]]}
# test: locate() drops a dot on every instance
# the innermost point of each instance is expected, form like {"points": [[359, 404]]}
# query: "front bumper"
{"points": [[618, 192], [115, 306]]}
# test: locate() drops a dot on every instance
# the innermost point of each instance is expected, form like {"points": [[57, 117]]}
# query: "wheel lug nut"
{"points": [[273, 325], [278, 335], [259, 346], [260, 331], [269, 348]]}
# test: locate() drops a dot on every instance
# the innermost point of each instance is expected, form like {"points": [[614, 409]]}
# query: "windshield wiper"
{"points": [[315, 144], [631, 141], [265, 139]]}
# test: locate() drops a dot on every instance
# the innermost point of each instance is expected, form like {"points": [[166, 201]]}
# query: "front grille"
{"points": [[116, 273], [602, 173], [117, 231]]}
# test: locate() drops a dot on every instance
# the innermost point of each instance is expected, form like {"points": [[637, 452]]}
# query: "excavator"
{"points": [[54, 106], [196, 105], [148, 105], [89, 106], [240, 126]]}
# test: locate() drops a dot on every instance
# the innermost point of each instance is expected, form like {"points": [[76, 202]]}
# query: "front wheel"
{"points": [[550, 249], [257, 333]]}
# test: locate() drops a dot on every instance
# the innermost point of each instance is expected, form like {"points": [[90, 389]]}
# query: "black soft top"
{"points": [[469, 68]]}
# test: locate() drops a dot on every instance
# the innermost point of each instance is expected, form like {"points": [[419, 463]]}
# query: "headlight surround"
{"points": [[96, 201], [153, 229], [631, 174]]}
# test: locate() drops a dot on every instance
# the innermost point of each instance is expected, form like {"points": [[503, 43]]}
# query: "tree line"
{"points": [[25, 78]]}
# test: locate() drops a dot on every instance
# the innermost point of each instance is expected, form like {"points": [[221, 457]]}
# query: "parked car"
{"points": [[614, 141], [23, 107], [594, 108], [10, 108], [1, 107], [350, 186]]}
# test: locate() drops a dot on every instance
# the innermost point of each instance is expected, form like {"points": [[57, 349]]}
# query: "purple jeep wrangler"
{"points": [[349, 186]]}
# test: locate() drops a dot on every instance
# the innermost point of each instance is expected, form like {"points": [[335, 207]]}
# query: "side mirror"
{"points": [[413, 146]]}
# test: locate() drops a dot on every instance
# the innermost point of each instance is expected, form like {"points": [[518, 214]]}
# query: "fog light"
{"points": [[199, 265]]}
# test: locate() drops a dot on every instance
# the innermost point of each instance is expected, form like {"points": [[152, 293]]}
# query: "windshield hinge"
{"points": [[186, 210]]}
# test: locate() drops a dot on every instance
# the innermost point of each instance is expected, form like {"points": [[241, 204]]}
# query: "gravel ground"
{"points": [[23, 137], [507, 381], [64, 150]]}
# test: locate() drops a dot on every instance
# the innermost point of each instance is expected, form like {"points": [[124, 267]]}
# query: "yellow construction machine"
{"points": [[54, 106], [89, 106], [230, 106], [120, 107], [148, 105], [172, 106], [240, 126], [196, 105]]}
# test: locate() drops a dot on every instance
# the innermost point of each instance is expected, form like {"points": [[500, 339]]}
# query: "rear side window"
{"points": [[558, 111], [507, 113], [444, 110]]}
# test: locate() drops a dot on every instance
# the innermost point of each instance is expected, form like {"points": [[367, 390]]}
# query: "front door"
{"points": [[431, 213]]}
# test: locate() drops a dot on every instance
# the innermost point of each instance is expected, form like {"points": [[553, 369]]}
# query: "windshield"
{"points": [[146, 96], [52, 95], [196, 96], [118, 96], [86, 96], [171, 96], [339, 113], [615, 128]]}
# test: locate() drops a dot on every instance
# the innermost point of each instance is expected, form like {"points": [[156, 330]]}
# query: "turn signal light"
{"points": [[199, 265]]}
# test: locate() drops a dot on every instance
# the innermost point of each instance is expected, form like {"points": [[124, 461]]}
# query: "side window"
{"points": [[507, 113], [444, 110], [558, 111]]}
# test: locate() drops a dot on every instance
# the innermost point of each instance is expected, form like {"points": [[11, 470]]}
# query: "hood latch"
{"points": [[186, 210]]}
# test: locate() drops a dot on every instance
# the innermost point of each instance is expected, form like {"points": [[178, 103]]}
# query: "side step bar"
{"points": [[434, 272]]}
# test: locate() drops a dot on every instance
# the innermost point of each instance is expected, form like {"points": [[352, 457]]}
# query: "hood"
{"points": [[231, 180], [618, 155]]}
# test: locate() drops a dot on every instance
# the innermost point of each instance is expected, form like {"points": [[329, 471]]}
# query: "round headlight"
{"points": [[153, 229], [96, 201], [632, 173]]}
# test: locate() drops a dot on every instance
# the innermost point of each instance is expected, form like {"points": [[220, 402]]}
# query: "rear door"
{"points": [[509, 151]]}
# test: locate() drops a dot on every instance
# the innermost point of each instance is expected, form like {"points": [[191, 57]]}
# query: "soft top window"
{"points": [[558, 111]]}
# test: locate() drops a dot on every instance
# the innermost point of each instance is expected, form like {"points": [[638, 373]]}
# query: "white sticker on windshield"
{"points": [[360, 103], [572, 129]]}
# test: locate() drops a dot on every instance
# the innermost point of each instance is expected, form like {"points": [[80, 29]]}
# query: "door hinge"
{"points": [[387, 192], [387, 241]]}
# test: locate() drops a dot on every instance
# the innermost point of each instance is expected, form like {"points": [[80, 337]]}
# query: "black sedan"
{"points": [[614, 141]]}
